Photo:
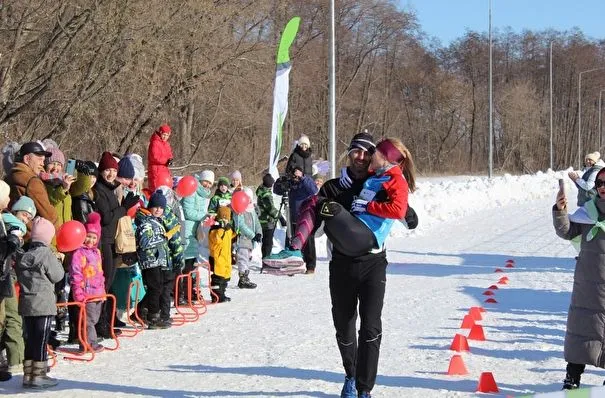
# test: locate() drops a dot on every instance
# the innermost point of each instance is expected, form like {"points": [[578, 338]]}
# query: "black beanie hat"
{"points": [[363, 141], [268, 180], [125, 168], [157, 199]]}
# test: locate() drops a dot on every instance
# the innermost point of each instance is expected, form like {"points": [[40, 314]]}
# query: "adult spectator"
{"points": [[585, 183], [24, 179], [195, 208], [159, 158], [298, 187], [301, 157], [111, 211]]}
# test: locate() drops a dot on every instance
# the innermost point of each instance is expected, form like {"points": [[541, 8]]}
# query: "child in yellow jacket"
{"points": [[219, 246]]}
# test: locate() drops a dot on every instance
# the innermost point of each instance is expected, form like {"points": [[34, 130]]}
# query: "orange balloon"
{"points": [[70, 236]]}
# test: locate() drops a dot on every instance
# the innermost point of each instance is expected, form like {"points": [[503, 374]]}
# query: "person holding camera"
{"points": [[298, 187]]}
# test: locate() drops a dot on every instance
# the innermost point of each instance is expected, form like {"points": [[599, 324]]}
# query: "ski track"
{"points": [[278, 340]]}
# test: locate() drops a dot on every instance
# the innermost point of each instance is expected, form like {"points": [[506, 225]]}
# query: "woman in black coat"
{"points": [[111, 211], [302, 157]]}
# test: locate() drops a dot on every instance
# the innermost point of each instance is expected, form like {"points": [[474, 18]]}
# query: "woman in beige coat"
{"points": [[585, 334]]}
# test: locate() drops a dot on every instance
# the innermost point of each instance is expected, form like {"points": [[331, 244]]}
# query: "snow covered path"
{"points": [[278, 340]]}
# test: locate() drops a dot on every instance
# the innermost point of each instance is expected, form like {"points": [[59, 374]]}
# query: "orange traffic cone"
{"points": [[468, 322], [493, 287], [488, 293], [457, 366], [487, 383], [510, 265], [498, 270], [491, 300], [476, 333], [475, 313], [460, 343], [510, 261], [504, 278]]}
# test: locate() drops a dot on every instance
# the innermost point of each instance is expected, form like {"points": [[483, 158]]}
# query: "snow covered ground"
{"points": [[278, 340]]}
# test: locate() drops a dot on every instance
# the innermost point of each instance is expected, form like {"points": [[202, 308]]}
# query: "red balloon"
{"points": [[70, 236], [163, 180], [132, 212], [239, 202], [186, 186]]}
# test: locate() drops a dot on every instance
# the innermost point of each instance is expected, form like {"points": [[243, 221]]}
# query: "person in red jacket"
{"points": [[159, 157]]}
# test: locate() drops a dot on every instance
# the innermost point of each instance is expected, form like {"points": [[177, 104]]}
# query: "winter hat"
{"points": [[164, 128], [13, 223], [93, 224], [304, 140], [125, 168], [157, 199], [42, 230], [25, 203], [223, 213], [268, 180], [222, 181], [594, 156], [5, 191], [137, 163], [56, 156], [207, 175], [107, 162], [363, 141], [236, 175]]}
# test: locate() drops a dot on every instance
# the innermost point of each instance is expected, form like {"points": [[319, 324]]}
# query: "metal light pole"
{"points": [[580, 113], [600, 113], [491, 129], [332, 93], [551, 130]]}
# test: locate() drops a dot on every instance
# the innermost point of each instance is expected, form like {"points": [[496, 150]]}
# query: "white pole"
{"points": [[332, 93], [491, 130], [600, 112], [551, 129]]}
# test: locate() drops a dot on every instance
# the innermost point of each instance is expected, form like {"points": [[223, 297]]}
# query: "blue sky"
{"points": [[449, 19]]}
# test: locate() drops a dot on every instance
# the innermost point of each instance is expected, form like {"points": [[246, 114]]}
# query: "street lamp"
{"points": [[580, 113]]}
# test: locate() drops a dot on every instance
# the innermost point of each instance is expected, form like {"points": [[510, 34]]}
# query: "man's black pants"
{"points": [[363, 283]]}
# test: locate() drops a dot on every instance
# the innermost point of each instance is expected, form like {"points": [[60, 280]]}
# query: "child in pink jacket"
{"points": [[86, 277]]}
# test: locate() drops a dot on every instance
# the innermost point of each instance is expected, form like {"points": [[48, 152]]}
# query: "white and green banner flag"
{"points": [[280, 92]]}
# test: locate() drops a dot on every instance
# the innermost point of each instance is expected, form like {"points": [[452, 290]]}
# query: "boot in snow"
{"points": [[39, 379], [244, 281]]}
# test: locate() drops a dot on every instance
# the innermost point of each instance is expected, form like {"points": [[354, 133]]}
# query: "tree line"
{"points": [[100, 75]]}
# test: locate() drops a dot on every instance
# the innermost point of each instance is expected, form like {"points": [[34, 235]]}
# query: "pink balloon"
{"points": [[186, 186], [239, 202], [70, 236]]}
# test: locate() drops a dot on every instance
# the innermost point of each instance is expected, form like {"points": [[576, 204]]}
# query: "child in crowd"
{"points": [[269, 214], [219, 247], [24, 209], [157, 250], [248, 231], [86, 278], [222, 196], [37, 272], [236, 181]]}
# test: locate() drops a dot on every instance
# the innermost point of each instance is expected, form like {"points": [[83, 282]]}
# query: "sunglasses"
{"points": [[599, 183]]}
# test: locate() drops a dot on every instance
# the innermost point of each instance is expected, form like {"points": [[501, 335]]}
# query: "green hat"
{"points": [[222, 181]]}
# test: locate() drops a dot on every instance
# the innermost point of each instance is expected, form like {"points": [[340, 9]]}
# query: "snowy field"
{"points": [[278, 340]]}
